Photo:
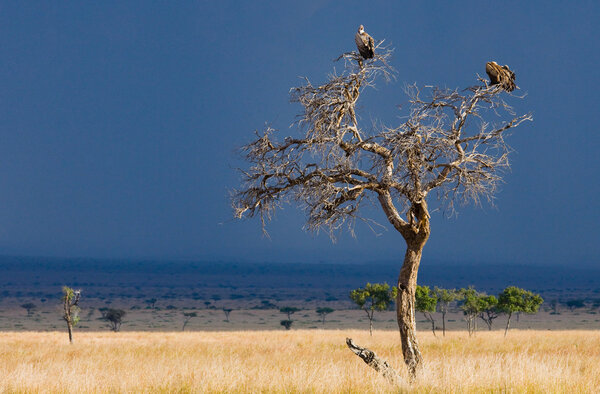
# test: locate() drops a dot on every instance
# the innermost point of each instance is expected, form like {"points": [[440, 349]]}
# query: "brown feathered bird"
{"points": [[500, 75], [364, 43]]}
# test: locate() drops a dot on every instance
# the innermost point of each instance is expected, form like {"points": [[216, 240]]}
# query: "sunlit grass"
{"points": [[292, 361]]}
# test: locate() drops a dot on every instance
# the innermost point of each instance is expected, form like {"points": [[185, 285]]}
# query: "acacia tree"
{"points": [[472, 305], [29, 307], [425, 302], [373, 297], [187, 316], [289, 311], [324, 311], [489, 309], [444, 298], [70, 301], [514, 299], [227, 311], [451, 142], [114, 317]]}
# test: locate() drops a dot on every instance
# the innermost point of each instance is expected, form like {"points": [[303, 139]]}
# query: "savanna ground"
{"points": [[294, 361], [552, 351]]}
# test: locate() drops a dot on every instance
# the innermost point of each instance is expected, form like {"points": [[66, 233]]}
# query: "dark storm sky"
{"points": [[119, 123]]}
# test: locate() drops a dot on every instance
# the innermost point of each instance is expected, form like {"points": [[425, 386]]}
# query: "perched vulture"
{"points": [[501, 75], [364, 43]]}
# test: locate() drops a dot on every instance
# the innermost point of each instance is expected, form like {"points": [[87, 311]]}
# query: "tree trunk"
{"points": [[70, 328], [415, 231], [507, 323], [370, 316], [487, 320], [405, 308], [430, 318], [444, 323]]}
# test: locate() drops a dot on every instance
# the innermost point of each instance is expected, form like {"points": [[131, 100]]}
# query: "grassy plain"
{"points": [[294, 361]]}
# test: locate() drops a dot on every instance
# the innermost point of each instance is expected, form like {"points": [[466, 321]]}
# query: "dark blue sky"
{"points": [[119, 122]]}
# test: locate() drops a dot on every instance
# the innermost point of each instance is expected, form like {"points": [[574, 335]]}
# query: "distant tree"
{"points": [[70, 301], [444, 298], [426, 302], [323, 312], [289, 310], [151, 302], [227, 311], [286, 323], [514, 299], [187, 316], [29, 307], [376, 296], [489, 309], [575, 304], [114, 317], [471, 306]]}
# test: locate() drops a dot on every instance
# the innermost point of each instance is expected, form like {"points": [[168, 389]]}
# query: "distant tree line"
{"points": [[474, 305]]}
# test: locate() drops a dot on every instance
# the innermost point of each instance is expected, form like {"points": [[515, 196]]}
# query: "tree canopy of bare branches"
{"points": [[450, 141]]}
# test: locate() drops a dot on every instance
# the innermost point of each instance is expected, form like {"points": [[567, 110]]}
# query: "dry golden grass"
{"points": [[294, 361]]}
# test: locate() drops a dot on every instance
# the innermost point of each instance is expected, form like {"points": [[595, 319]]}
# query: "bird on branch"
{"points": [[364, 43], [500, 75]]}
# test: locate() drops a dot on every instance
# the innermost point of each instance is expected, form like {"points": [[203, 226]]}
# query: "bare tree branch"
{"points": [[444, 145]]}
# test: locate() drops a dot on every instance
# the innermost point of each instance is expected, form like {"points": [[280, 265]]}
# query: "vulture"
{"points": [[364, 43], [501, 75]]}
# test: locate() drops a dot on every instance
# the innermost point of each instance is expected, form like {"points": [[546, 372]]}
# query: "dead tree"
{"points": [[378, 364], [451, 142], [71, 309]]}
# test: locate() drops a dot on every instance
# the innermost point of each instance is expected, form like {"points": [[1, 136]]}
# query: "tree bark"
{"points": [[415, 232], [405, 308], [373, 361]]}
